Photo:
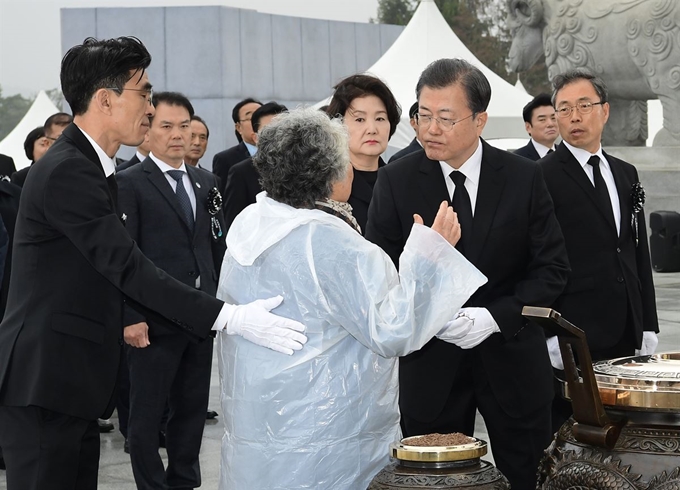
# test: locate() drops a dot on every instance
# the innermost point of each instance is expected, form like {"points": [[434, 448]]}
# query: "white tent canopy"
{"points": [[427, 38], [13, 144]]}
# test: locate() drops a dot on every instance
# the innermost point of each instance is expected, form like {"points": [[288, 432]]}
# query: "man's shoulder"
{"points": [[406, 164], [203, 175], [230, 152]]}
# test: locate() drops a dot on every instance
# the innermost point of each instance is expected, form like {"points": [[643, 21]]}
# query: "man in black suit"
{"points": [[166, 204], [246, 147], [73, 265], [415, 144], [610, 293], [7, 167], [539, 121], [509, 232], [243, 181], [140, 155]]}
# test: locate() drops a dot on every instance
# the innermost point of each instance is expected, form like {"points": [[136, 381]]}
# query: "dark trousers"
{"points": [[171, 369], [517, 443], [48, 450]]}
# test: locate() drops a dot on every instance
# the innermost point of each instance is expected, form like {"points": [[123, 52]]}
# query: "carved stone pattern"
{"points": [[487, 479], [649, 441]]}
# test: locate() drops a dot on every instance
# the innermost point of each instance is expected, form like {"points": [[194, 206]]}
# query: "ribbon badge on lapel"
{"points": [[214, 207], [637, 194]]}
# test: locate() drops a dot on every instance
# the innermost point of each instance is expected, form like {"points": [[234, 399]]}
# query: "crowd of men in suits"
{"points": [[550, 225]]}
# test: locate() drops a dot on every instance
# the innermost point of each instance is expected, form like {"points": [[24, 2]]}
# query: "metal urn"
{"points": [[625, 430], [439, 467]]}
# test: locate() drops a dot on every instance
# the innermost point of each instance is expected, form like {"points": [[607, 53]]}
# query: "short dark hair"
{"points": [[413, 110], [58, 119], [540, 100], [98, 64], [237, 109], [200, 119], [30, 140], [173, 99], [356, 86], [268, 109], [448, 71], [563, 79]]}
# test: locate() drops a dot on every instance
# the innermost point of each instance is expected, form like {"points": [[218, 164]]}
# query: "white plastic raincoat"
{"points": [[324, 417]]}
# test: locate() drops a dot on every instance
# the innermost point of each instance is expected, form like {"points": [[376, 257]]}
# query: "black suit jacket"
{"points": [[125, 165], [9, 207], [156, 223], [60, 340], [360, 197], [413, 147], [528, 151], [516, 242], [224, 160], [243, 184], [7, 166], [611, 277], [19, 177]]}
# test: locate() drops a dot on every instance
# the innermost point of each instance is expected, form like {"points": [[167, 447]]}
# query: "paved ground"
{"points": [[115, 472]]}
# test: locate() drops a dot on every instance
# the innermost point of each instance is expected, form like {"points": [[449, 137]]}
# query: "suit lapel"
{"points": [[623, 186], [489, 191], [73, 133], [574, 170], [431, 181], [160, 182]]}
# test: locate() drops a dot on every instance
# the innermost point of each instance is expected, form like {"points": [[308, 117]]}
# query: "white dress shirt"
{"points": [[582, 156], [164, 167], [542, 150], [106, 161], [471, 169]]}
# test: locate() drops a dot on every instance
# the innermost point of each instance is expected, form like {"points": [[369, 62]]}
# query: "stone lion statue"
{"points": [[634, 45]]}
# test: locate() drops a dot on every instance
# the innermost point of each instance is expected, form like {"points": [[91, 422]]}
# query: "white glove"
{"points": [[255, 323], [471, 327], [554, 351], [649, 343]]}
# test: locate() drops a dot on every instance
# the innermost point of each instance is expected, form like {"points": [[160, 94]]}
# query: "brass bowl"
{"points": [[438, 454]]}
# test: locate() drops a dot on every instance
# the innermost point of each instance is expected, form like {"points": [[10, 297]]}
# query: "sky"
{"points": [[30, 37]]}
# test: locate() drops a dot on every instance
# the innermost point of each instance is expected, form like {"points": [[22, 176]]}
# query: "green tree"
{"points": [[56, 97], [397, 12], [12, 109], [481, 26]]}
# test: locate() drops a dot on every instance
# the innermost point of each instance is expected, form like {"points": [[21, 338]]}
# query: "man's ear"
{"points": [[102, 100], [255, 138], [528, 126]]}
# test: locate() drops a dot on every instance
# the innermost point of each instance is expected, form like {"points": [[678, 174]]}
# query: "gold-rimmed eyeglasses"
{"points": [[581, 107], [444, 123], [147, 93]]}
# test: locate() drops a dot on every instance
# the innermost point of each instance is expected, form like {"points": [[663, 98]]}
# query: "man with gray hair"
{"points": [[610, 293], [509, 232]]}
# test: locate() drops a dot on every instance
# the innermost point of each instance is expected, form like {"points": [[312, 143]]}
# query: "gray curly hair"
{"points": [[300, 155]]}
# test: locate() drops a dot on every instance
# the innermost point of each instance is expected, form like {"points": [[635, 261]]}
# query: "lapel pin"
{"points": [[198, 185], [124, 217]]}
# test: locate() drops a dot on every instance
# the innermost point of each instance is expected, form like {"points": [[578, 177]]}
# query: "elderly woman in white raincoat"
{"points": [[324, 417]]}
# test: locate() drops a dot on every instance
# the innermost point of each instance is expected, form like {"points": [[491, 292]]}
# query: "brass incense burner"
{"points": [[625, 431]]}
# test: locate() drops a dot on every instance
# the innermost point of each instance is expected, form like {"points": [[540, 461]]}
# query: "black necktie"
{"points": [[461, 205], [113, 187], [183, 197], [601, 189], [550, 151]]}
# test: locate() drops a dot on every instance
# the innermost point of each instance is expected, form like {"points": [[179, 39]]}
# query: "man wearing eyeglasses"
{"points": [[610, 293], [493, 360], [246, 147], [74, 268]]}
